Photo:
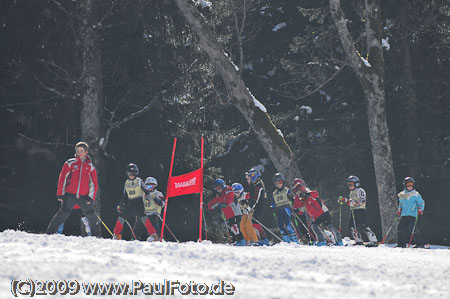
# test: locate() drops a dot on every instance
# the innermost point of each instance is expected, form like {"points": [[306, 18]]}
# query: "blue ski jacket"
{"points": [[409, 202]]}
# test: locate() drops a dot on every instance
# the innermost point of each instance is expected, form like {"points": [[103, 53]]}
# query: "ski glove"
{"points": [[342, 199], [399, 212], [88, 200], [159, 201], [419, 211], [222, 205], [120, 208]]}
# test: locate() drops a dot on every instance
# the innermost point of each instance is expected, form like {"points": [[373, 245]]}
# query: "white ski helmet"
{"points": [[151, 180]]}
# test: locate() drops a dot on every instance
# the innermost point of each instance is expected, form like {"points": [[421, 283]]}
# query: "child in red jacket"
{"points": [[225, 199], [310, 201]]}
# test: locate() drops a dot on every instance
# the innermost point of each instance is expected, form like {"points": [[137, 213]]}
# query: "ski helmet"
{"points": [[219, 183], [253, 174], [297, 185], [409, 180], [151, 180], [132, 169], [278, 177], [237, 188], [354, 179]]}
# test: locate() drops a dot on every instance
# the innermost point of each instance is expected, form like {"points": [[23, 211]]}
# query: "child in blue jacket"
{"points": [[410, 206]]}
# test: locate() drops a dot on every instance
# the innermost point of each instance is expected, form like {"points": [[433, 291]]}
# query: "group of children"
{"points": [[246, 208], [142, 202], [240, 208], [299, 204]]}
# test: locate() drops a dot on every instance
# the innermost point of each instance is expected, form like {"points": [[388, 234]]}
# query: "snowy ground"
{"points": [[280, 271]]}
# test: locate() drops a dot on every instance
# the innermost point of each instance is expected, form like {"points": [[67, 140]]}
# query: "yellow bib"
{"points": [[133, 188], [280, 197], [150, 205]]}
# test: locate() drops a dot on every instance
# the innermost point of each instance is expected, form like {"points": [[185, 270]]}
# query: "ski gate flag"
{"points": [[188, 183]]}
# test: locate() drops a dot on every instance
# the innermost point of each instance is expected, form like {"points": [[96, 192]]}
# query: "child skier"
{"points": [[310, 201], [357, 203], [132, 204], [410, 206], [224, 199], [282, 204], [154, 201], [257, 201], [246, 225]]}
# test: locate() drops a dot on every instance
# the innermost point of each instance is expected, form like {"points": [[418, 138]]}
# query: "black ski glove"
{"points": [[222, 205], [88, 200]]}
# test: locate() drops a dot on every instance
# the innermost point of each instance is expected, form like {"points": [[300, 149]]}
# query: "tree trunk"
{"points": [[90, 62], [411, 102], [260, 122], [371, 76]]}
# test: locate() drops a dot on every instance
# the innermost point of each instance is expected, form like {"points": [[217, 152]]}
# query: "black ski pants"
{"points": [[69, 201]]}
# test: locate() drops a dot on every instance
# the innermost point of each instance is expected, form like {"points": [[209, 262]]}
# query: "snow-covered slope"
{"points": [[280, 271]]}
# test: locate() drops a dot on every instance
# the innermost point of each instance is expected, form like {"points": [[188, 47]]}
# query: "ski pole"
{"points": [[412, 233], [170, 231], [228, 230], [109, 231], [204, 221], [354, 225], [389, 230], [325, 235], [340, 216], [307, 229], [309, 224], [267, 229], [132, 231]]}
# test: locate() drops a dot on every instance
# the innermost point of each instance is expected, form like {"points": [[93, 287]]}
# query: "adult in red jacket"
{"points": [[225, 199], [309, 201], [77, 185]]}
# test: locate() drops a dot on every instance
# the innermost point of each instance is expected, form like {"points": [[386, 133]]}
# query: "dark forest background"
{"points": [[290, 57]]}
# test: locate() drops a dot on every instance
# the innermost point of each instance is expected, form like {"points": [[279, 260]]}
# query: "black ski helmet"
{"points": [[278, 177], [354, 179], [132, 168], [409, 179]]}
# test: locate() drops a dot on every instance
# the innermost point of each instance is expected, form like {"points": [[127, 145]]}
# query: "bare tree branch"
{"points": [[117, 124], [45, 143], [320, 86], [57, 67]]}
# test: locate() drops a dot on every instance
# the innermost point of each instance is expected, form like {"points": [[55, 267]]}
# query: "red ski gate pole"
{"points": [[167, 200], [201, 198]]}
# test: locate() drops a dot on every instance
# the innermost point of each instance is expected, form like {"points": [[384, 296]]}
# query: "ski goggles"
{"points": [[150, 186], [351, 183], [409, 184]]}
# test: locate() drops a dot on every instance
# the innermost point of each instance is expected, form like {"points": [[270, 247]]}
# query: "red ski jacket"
{"points": [[311, 202], [226, 196], [79, 178]]}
